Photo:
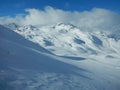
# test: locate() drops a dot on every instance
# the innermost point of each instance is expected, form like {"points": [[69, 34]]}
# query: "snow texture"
{"points": [[56, 57]]}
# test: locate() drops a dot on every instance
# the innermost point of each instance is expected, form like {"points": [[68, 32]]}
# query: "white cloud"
{"points": [[95, 18]]}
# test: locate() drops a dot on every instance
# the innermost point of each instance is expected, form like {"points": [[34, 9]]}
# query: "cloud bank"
{"points": [[95, 18]]}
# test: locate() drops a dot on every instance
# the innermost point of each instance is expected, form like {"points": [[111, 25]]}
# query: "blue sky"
{"points": [[13, 7]]}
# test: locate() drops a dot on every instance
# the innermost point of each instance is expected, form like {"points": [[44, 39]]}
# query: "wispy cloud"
{"points": [[95, 18]]}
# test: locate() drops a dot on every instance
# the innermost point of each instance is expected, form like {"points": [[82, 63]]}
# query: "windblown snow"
{"points": [[59, 56]]}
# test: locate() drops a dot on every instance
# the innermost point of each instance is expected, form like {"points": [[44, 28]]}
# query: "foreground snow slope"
{"points": [[27, 65]]}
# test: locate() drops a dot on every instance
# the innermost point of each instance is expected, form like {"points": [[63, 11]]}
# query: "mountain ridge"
{"points": [[60, 37]]}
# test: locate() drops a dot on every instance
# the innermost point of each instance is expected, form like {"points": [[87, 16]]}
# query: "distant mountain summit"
{"points": [[12, 26]]}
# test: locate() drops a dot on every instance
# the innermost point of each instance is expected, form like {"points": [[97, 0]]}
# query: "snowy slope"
{"points": [[27, 61]]}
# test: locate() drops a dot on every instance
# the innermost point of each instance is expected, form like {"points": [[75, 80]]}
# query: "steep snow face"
{"points": [[67, 39]]}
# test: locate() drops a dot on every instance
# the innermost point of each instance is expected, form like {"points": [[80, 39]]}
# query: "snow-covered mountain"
{"points": [[67, 39], [60, 56]]}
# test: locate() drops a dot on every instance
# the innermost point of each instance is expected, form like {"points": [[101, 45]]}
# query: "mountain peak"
{"points": [[12, 26], [65, 26]]}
